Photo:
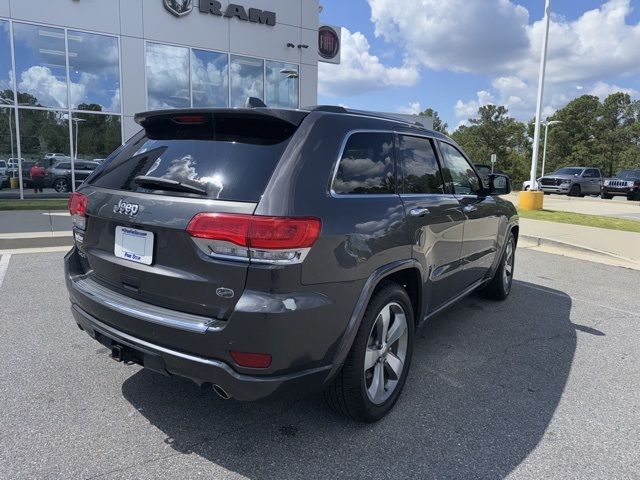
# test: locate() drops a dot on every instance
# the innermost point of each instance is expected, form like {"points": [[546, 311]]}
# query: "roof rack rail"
{"points": [[386, 116], [329, 108]]}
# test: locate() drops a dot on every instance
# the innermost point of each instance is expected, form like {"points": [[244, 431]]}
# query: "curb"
{"points": [[543, 241], [11, 241]]}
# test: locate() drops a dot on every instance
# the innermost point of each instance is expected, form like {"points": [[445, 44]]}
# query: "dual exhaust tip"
{"points": [[221, 392]]}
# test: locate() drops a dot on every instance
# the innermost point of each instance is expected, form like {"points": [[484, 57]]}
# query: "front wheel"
{"points": [[374, 373], [500, 285], [575, 191]]}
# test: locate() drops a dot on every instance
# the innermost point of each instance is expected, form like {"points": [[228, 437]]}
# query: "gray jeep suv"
{"points": [[261, 251]]}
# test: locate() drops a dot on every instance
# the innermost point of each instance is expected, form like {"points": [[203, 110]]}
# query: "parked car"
{"points": [[264, 251], [626, 183], [573, 181], [56, 156], [4, 177], [526, 186], [59, 175]]}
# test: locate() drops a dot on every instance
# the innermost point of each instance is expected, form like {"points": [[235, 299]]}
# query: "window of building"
{"points": [[167, 77], [459, 172], [420, 166], [282, 85], [6, 69], [8, 146], [98, 135], [209, 78], [42, 132], [94, 72], [247, 79], [41, 65], [367, 165]]}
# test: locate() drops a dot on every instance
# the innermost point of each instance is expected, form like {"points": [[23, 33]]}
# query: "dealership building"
{"points": [[75, 72]]}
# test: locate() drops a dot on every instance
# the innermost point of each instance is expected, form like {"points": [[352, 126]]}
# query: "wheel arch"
{"points": [[407, 273]]}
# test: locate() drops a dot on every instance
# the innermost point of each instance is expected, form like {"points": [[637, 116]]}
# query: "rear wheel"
{"points": [[606, 196], [373, 375], [575, 191], [61, 185], [500, 286]]}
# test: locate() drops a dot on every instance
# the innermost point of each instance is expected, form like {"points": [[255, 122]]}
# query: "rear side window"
{"points": [[366, 166], [419, 164], [230, 156]]}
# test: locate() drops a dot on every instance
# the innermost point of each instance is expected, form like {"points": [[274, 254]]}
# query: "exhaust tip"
{"points": [[221, 392]]}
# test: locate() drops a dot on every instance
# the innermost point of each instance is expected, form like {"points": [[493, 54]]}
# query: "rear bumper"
{"points": [[201, 370], [302, 331]]}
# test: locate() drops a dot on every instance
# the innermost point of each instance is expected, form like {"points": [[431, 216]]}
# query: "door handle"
{"points": [[419, 212], [470, 208]]}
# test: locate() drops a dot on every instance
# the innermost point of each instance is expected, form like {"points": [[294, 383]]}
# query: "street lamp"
{"points": [[547, 124], [75, 156], [543, 68]]}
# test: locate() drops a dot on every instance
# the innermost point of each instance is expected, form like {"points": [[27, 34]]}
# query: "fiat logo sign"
{"points": [[328, 43]]}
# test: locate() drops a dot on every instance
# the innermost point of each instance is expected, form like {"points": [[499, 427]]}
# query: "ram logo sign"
{"points": [[213, 7], [179, 7]]}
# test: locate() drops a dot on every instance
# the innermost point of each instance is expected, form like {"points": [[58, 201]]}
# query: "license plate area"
{"points": [[134, 245]]}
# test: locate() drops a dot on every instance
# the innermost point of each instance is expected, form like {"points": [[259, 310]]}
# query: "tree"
{"points": [[494, 131], [438, 124]]}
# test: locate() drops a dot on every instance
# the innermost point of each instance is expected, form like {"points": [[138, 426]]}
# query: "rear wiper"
{"points": [[166, 184]]}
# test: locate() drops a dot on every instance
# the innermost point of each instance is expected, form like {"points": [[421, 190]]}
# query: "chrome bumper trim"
{"points": [[145, 311]]}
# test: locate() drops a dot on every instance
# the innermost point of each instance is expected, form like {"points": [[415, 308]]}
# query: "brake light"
{"points": [[78, 209], [251, 360], [188, 119], [261, 238]]}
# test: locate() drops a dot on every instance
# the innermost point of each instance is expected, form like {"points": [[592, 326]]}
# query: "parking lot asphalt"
{"points": [[544, 385]]}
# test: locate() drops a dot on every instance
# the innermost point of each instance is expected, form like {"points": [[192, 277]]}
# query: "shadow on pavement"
{"points": [[485, 382]]}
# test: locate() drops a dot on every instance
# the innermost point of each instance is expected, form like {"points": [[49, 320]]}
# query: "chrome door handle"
{"points": [[470, 208], [419, 212]]}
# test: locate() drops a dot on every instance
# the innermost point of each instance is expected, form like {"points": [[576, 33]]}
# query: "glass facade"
{"points": [[182, 77], [65, 94]]}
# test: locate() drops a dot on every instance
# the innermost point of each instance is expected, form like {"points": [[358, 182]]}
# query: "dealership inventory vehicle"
{"points": [[263, 251], [573, 181], [626, 183], [59, 175]]}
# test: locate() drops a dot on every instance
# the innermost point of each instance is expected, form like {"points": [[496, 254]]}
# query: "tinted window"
{"points": [[592, 173], [569, 171], [366, 166], [459, 172], [63, 166], [629, 174], [420, 166], [231, 156]]}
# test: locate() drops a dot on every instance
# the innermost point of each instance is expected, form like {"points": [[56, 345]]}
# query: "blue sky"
{"points": [[493, 44]]}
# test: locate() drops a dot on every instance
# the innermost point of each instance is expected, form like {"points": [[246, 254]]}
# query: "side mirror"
{"points": [[499, 185]]}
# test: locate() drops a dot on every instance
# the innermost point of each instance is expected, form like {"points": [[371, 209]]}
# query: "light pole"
{"points": [[543, 68], [74, 157], [547, 124]]}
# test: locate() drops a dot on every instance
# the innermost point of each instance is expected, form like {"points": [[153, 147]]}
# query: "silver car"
{"points": [[573, 181]]}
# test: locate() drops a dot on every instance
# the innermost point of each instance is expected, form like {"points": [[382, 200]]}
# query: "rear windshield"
{"points": [[230, 156]]}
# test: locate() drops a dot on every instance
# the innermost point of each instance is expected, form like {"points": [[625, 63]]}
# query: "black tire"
{"points": [[575, 191], [605, 196], [500, 286], [348, 393], [61, 185]]}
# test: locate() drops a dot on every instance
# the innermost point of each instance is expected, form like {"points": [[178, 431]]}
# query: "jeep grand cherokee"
{"points": [[261, 251]]}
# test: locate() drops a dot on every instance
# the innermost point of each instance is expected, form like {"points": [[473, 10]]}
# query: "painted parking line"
{"points": [[4, 266], [24, 251]]}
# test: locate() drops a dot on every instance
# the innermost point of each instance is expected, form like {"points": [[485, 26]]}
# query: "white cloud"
{"points": [[360, 71], [494, 37], [413, 108], [47, 88], [603, 90]]}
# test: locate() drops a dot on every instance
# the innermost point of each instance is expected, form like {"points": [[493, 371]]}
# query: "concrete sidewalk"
{"points": [[612, 247]]}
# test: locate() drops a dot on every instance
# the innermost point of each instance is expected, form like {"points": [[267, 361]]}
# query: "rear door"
{"points": [[434, 217], [227, 156], [482, 220], [592, 181]]}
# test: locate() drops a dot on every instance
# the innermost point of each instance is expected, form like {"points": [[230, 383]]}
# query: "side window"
{"points": [[63, 166], [366, 166], [591, 173], [459, 172], [420, 166]]}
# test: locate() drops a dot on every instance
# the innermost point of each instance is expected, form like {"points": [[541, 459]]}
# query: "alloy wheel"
{"points": [[507, 271], [386, 353]]}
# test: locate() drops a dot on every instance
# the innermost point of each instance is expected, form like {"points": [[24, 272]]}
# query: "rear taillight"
{"points": [[78, 209], [258, 238]]}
